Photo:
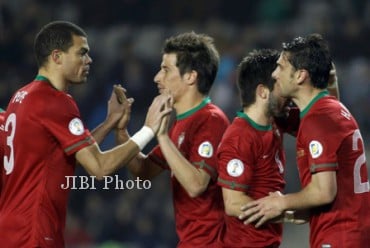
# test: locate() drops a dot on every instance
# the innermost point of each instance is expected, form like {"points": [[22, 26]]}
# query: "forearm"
{"points": [[102, 130], [308, 197], [334, 90], [100, 164], [105, 163], [234, 204], [136, 166], [192, 179]]}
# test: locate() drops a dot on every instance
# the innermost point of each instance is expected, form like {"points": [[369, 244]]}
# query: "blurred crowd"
{"points": [[125, 38]]}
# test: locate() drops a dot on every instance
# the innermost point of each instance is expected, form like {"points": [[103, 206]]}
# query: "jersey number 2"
{"points": [[360, 187], [9, 161]]}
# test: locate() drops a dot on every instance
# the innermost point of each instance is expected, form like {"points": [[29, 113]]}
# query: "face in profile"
{"points": [[278, 106], [76, 61]]}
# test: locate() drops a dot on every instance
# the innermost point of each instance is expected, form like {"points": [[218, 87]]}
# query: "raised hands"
{"points": [[158, 113], [118, 106], [126, 103]]}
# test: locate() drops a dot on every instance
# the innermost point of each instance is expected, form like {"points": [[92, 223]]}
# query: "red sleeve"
{"points": [[236, 157], [322, 141], [66, 126], [205, 141]]}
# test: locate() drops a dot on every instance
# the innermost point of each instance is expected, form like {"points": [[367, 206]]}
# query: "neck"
{"points": [[254, 112], [188, 102], [55, 80], [304, 97]]}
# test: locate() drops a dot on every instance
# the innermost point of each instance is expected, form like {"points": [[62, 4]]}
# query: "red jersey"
{"points": [[251, 159], [329, 140], [43, 131], [197, 134], [2, 114]]}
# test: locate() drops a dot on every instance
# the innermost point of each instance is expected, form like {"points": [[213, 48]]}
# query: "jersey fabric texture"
{"points": [[2, 138], [329, 140], [197, 134], [251, 160], [43, 130]]}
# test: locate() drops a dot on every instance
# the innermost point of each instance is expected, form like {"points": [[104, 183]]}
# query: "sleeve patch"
{"points": [[205, 149], [235, 167], [76, 127], [315, 148]]}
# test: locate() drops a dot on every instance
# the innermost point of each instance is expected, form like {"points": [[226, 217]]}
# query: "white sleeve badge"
{"points": [[205, 149], [76, 127], [315, 148], [235, 167]]}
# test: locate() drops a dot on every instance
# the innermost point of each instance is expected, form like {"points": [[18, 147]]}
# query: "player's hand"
{"points": [[126, 103], [163, 128], [262, 210], [160, 108], [115, 109]]}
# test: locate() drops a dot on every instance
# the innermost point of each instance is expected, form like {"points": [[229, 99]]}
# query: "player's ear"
{"points": [[302, 75], [56, 56], [191, 77], [262, 91]]}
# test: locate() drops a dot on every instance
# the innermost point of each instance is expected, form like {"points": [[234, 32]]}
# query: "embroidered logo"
{"points": [[315, 149], [235, 167], [76, 127], [205, 149]]}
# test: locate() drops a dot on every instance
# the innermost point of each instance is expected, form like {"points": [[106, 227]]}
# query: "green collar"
{"points": [[315, 99], [257, 126], [204, 102], [42, 78]]}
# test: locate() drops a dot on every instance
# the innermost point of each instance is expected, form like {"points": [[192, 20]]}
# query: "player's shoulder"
{"points": [[40, 91], [215, 113], [241, 131]]}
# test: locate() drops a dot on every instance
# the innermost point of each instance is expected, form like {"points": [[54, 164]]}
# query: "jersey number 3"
{"points": [[9, 161]]}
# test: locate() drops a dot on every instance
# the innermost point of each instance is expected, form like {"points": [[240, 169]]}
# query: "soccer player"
{"points": [[251, 159], [330, 153], [45, 137], [188, 69]]}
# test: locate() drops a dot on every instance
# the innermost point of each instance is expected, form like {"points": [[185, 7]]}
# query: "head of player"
{"points": [[304, 63], [254, 76], [61, 51], [189, 66]]}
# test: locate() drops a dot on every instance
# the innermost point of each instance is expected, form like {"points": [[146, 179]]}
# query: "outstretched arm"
{"points": [[320, 191], [100, 163]]}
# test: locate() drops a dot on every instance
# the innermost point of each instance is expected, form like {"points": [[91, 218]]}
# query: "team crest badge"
{"points": [[235, 167], [205, 149], [315, 149], [76, 127]]}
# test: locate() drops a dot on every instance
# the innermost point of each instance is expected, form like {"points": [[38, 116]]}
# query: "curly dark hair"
{"points": [[256, 68], [312, 54]]}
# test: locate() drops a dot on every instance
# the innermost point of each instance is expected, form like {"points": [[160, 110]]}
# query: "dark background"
{"points": [[125, 39]]}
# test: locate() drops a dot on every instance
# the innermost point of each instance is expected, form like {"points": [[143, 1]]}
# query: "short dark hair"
{"points": [[312, 54], [55, 35], [195, 52], [256, 68]]}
